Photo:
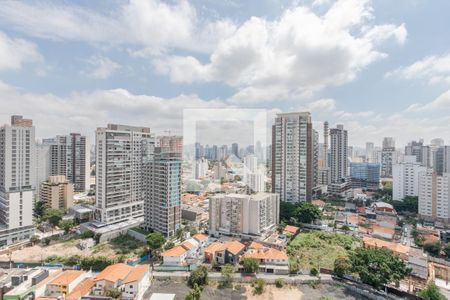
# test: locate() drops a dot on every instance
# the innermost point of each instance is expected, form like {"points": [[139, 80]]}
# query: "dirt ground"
{"points": [[302, 292], [39, 252]]}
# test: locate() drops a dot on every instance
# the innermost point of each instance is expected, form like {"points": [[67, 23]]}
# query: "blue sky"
{"points": [[381, 68]]}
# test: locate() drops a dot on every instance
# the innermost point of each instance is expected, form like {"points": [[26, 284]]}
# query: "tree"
{"points": [[155, 240], [286, 212], [227, 279], [433, 248], [66, 225], [113, 293], [345, 228], [39, 209], [279, 282], [258, 286], [198, 277], [35, 239], [377, 267], [447, 250], [87, 234], [195, 293], [341, 266], [53, 216], [169, 245], [250, 265], [313, 272], [179, 234], [409, 204], [307, 212], [431, 292]]}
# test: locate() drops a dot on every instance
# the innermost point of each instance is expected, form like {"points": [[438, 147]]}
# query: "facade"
{"points": [[201, 168], [112, 277], [122, 152], [42, 165], [388, 156], [171, 144], [243, 215], [69, 156], [418, 150], [338, 154], [434, 196], [57, 192], [293, 157], [162, 190], [17, 180], [136, 283], [65, 283], [405, 177], [255, 181], [365, 175]]}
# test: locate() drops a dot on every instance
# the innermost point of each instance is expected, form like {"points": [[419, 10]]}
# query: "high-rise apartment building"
{"points": [[172, 144], [388, 156], [243, 215], [69, 156], [162, 189], [370, 149], [293, 157], [57, 192], [121, 152], [17, 180], [235, 149], [405, 177], [42, 165], [434, 196], [338, 154], [421, 152]]}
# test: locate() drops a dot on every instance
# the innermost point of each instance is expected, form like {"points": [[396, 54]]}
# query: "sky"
{"points": [[379, 68]]}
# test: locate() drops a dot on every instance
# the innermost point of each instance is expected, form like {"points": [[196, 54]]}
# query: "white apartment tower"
{"points": [[405, 177], [17, 180], [338, 154], [243, 215], [293, 157], [121, 153], [434, 196], [388, 156]]}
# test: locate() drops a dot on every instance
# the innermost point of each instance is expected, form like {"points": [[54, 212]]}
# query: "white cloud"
{"points": [[301, 51], [16, 52], [441, 103], [149, 23], [435, 69], [101, 67]]}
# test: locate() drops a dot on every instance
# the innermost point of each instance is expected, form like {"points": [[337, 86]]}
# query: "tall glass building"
{"points": [[365, 175]]}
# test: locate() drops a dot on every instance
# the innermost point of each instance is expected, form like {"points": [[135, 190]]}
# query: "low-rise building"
{"points": [[270, 260], [136, 283], [112, 277], [65, 283], [81, 290], [224, 253], [57, 192]]}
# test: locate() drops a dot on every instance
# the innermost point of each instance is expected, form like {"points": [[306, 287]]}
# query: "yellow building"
{"points": [[57, 192]]}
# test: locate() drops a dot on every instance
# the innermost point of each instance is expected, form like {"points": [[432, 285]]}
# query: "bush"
{"points": [[195, 293], [250, 265], [113, 293], [237, 287], [87, 234], [315, 284], [198, 277], [313, 272], [341, 266], [258, 286], [279, 283], [227, 279], [46, 241]]}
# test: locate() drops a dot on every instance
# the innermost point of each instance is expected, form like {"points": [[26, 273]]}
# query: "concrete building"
{"points": [[338, 154], [69, 156], [405, 177], [42, 165], [421, 152], [388, 156], [293, 157], [255, 181], [434, 196], [57, 192], [17, 180], [121, 152], [162, 190], [171, 144], [201, 168], [243, 215], [365, 175]]}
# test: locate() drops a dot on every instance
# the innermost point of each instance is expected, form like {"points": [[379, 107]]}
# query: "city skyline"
{"points": [[390, 77]]}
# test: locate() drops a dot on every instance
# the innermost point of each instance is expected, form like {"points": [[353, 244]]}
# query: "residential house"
{"points": [[270, 260], [112, 277], [65, 283], [136, 283], [291, 230], [81, 290], [201, 238], [224, 253]]}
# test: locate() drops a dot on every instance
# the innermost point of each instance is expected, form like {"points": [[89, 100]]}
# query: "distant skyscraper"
{"points": [[418, 150], [69, 157], [437, 142], [365, 175], [17, 180], [162, 190], [388, 156], [121, 153], [42, 165], [370, 152], [293, 157], [434, 196], [235, 149], [338, 154]]}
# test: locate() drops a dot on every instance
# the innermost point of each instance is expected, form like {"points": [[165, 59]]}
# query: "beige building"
{"points": [[57, 192], [243, 215]]}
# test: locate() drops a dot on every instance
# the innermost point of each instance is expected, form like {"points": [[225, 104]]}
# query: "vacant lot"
{"points": [[123, 245], [317, 248], [245, 291]]}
